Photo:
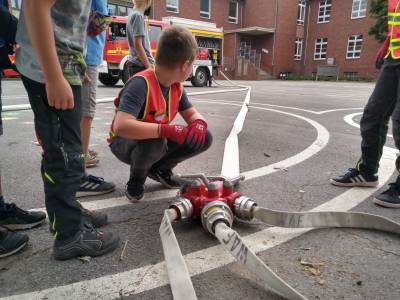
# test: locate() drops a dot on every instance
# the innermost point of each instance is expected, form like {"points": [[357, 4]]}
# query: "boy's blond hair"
{"points": [[176, 45], [141, 4]]}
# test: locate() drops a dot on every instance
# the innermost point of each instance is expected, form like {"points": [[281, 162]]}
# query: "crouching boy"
{"points": [[141, 133]]}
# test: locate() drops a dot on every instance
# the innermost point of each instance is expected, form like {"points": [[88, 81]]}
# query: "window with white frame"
{"points": [[324, 13], [233, 12], [301, 12], [354, 46], [173, 5], [205, 8], [359, 9], [321, 46], [298, 49]]}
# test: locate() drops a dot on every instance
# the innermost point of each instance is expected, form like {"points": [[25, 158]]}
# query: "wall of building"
{"points": [[338, 30]]}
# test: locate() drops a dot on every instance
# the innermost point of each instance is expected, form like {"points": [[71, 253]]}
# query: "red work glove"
{"points": [[382, 53], [176, 133], [197, 134]]}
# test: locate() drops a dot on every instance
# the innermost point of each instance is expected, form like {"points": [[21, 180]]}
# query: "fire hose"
{"points": [[214, 201]]}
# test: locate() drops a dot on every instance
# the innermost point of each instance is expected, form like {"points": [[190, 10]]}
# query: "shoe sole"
{"points": [[14, 251], [111, 248], [385, 204], [88, 194], [163, 182], [352, 184], [133, 199], [23, 226], [91, 165]]}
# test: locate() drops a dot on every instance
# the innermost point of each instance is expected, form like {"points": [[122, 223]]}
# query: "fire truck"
{"points": [[209, 57]]}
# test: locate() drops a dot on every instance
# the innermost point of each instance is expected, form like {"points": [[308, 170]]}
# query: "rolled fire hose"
{"points": [[179, 277], [324, 219]]}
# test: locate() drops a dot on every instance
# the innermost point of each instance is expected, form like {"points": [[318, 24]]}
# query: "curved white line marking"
{"points": [[320, 142], [349, 120]]}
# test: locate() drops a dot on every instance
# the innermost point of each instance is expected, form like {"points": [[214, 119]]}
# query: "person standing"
{"points": [[374, 122], [52, 36], [92, 185]]}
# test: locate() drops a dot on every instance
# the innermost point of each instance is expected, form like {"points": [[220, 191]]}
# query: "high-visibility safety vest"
{"points": [[394, 28], [156, 110]]}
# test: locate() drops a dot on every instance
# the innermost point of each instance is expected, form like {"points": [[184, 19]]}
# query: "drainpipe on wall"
{"points": [[275, 25], [153, 8], [308, 26]]}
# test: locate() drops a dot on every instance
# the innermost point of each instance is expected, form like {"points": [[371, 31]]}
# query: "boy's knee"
{"points": [[152, 148]]}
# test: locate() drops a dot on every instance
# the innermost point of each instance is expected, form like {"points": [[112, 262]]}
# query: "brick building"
{"points": [[266, 37]]}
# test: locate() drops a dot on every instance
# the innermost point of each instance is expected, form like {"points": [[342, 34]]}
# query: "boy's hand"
{"points": [[59, 94], [176, 133], [197, 134]]}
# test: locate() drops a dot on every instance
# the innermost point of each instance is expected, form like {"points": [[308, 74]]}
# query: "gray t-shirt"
{"points": [[69, 19], [134, 96], [137, 27]]}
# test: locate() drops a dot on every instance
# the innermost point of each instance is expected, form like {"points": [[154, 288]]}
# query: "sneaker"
{"points": [[14, 218], [135, 189], [96, 218], [92, 186], [86, 242], [11, 242], [354, 177], [91, 161], [166, 178], [391, 197]]}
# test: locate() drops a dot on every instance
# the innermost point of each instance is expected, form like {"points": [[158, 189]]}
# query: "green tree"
{"points": [[378, 11]]}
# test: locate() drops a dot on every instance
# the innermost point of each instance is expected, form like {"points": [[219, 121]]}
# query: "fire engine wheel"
{"points": [[125, 73], [107, 79], [200, 78]]}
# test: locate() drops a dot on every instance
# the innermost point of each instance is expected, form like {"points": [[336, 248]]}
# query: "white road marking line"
{"points": [[349, 120], [153, 276]]}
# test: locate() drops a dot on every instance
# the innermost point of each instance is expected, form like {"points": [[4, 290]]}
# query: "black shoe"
{"points": [[166, 178], [11, 242], [354, 177], [92, 186], [391, 197], [96, 218], [14, 218], [135, 189], [86, 242]]}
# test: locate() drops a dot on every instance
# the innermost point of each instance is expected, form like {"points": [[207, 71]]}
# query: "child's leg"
{"points": [[62, 161], [178, 153]]}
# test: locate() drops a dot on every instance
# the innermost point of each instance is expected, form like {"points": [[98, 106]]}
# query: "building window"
{"points": [[122, 11], [112, 9], [350, 75], [16, 4], [173, 6], [359, 9], [298, 49], [205, 8], [354, 46], [321, 46], [233, 12], [324, 13], [301, 12]]}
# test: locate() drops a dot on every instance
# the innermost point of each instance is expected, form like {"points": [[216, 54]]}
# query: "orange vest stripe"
{"points": [[394, 28]]}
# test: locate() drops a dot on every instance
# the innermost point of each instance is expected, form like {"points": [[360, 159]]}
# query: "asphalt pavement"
{"points": [[304, 131]]}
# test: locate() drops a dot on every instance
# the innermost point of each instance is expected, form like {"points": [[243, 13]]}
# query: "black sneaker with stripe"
{"points": [[353, 177], [93, 185], [391, 197]]}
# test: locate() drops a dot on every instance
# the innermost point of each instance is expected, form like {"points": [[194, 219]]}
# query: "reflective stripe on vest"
{"points": [[394, 28]]}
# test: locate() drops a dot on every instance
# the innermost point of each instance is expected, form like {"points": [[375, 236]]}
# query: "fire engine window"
{"points": [[154, 33], [117, 30]]}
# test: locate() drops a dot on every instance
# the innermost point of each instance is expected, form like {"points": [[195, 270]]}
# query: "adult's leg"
{"points": [[62, 162], [374, 122]]}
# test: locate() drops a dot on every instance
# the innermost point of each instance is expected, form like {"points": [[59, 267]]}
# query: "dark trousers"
{"points": [[161, 154], [62, 168], [374, 122]]}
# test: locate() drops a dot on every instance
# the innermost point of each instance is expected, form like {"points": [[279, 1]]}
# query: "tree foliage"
{"points": [[378, 11]]}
